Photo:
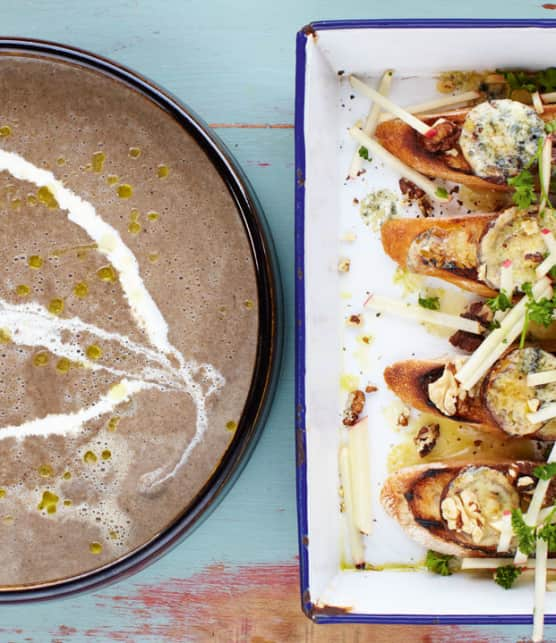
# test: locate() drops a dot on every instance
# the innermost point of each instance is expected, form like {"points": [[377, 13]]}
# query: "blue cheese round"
{"points": [[500, 137]]}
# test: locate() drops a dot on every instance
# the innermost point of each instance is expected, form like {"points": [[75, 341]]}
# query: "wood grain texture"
{"points": [[235, 578]]}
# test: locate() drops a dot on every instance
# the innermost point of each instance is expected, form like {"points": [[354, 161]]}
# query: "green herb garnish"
{"points": [[500, 302], [432, 303], [548, 533], [524, 533], [438, 563], [543, 81], [524, 192], [540, 312], [364, 153], [545, 471], [552, 273], [506, 576], [441, 193]]}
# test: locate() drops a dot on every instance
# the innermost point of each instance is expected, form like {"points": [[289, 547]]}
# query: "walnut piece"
{"points": [[426, 438], [445, 392], [354, 407]]}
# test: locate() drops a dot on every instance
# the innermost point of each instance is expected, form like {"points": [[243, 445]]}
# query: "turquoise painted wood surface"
{"points": [[235, 578]]}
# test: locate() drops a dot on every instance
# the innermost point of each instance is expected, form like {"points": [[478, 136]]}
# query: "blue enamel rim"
{"points": [[301, 451], [269, 342]]}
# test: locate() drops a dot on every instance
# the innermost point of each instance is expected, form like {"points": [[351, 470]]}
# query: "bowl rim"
{"points": [[269, 338]]}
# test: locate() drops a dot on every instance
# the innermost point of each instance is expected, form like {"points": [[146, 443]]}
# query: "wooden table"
{"points": [[235, 578]]}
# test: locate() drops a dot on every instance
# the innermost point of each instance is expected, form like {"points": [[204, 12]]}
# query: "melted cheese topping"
{"points": [[500, 137], [515, 236], [508, 396]]}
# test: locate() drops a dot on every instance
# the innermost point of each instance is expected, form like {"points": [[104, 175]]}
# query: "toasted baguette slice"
{"points": [[410, 379], [403, 141], [399, 234], [413, 497]]}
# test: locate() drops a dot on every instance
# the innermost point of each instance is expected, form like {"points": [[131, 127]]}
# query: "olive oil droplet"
{"points": [[68, 503], [5, 130], [94, 352], [45, 471], [63, 365], [22, 290], [90, 457], [56, 306], [32, 200], [98, 161], [66, 475], [249, 304], [41, 359], [153, 257], [113, 423], [60, 160], [152, 215], [231, 426], [95, 548], [46, 197], [106, 273], [5, 336], [162, 171], [124, 191], [2, 493], [35, 262], [81, 289], [106, 454], [134, 152], [112, 179], [134, 227], [48, 502]]}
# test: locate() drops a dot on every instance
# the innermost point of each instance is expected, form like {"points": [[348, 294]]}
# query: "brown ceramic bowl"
{"points": [[197, 333]]}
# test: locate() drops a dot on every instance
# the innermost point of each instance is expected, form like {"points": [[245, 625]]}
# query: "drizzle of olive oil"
{"points": [[67, 503], [32, 200], [134, 152], [106, 454], [5, 130], [63, 365], [66, 475], [153, 257], [112, 179], [22, 290], [60, 160], [249, 304], [231, 426], [457, 441], [153, 216], [5, 336], [2, 493]]}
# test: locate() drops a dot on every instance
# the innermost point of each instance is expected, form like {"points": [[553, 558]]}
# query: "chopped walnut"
{"points": [[445, 137], [426, 438], [403, 418], [445, 392], [371, 388], [354, 407], [344, 264], [461, 512], [410, 190], [354, 320], [525, 483]]}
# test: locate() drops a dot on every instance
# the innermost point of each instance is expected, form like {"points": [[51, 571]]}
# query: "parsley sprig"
{"points": [[543, 81], [506, 575], [438, 563], [500, 302], [524, 533], [364, 153], [545, 471], [432, 303], [524, 191], [540, 312]]}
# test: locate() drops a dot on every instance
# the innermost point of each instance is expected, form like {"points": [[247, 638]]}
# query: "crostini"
{"points": [[459, 508], [481, 147], [470, 250], [505, 401]]}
